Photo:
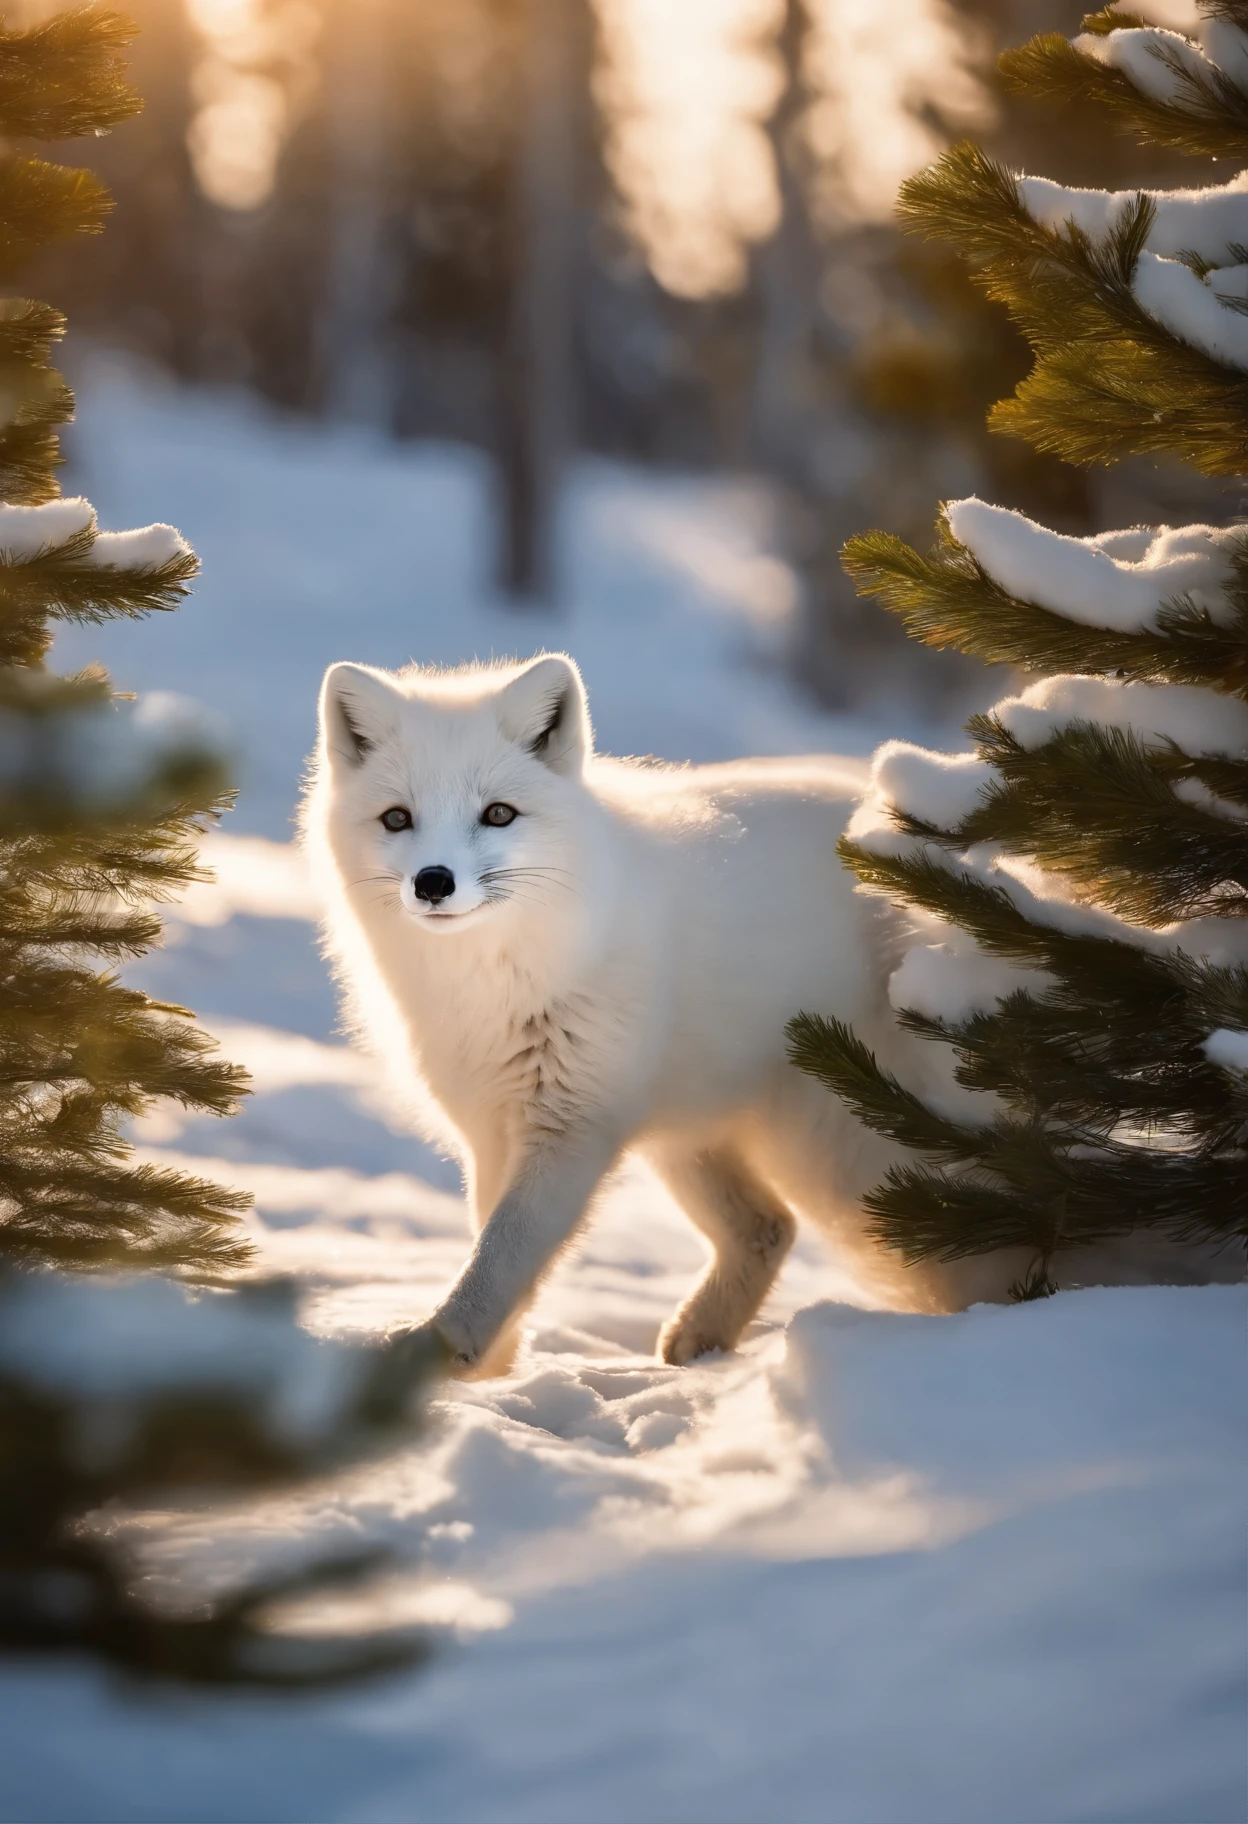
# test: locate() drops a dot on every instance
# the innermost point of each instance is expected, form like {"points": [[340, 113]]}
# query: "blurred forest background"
{"points": [[651, 229]]}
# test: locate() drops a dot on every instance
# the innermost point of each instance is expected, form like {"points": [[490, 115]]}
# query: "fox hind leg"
{"points": [[750, 1230]]}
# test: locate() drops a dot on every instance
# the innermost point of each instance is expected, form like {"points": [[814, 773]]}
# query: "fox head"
{"points": [[454, 798]]}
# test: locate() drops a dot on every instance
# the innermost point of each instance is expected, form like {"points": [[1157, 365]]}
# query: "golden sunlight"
{"points": [[875, 71], [243, 90], [686, 90]]}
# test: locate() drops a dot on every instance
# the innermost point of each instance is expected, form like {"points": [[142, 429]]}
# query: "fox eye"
{"points": [[396, 818], [499, 814]]}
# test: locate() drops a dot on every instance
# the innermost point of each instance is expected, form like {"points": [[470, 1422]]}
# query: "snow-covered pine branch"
{"points": [[1139, 347], [134, 1389], [105, 759], [1122, 580], [1208, 222], [1076, 885], [65, 532], [56, 564], [100, 801], [1192, 73], [1202, 304], [1176, 82]]}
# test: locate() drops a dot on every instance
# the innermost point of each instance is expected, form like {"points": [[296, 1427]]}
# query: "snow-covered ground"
{"points": [[873, 1569]]}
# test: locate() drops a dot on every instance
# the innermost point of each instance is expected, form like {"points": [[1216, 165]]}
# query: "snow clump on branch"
{"points": [[1208, 223], [1164, 64], [1199, 721], [1116, 579], [28, 533]]}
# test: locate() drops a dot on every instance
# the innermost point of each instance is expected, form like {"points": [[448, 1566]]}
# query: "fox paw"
{"points": [[685, 1339]]}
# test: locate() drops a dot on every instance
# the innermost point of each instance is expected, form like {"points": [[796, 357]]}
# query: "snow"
{"points": [[25, 532], [972, 1570], [1229, 281], [1201, 722], [1211, 223], [1207, 222], [1191, 309], [251, 875], [109, 1344], [952, 981], [144, 548], [1117, 580], [940, 789], [1151, 59], [1230, 1049], [809, 1604]]}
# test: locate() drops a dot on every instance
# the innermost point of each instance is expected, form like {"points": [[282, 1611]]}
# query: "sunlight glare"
{"points": [[686, 90], [875, 72], [243, 87]]}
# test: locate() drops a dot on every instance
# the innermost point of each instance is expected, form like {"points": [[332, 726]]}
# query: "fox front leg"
{"points": [[535, 1217]]}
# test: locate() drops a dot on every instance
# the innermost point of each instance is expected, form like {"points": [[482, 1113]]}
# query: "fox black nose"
{"points": [[434, 884]]}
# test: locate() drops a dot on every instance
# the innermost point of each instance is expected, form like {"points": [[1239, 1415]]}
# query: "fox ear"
{"points": [[545, 710], [357, 710]]}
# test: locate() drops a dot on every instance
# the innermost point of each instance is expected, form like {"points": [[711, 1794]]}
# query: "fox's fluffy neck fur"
{"points": [[509, 1017]]}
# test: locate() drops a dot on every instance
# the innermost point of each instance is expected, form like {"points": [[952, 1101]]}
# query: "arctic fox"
{"points": [[584, 956]]}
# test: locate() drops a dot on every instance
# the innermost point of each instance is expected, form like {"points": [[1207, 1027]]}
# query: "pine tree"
{"points": [[124, 1390], [101, 803], [1084, 871]]}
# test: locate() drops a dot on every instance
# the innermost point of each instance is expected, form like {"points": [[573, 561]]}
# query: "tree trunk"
{"points": [[536, 428], [358, 378]]}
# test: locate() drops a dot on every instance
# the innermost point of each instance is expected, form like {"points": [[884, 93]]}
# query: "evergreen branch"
{"points": [[40, 202], [61, 584], [1105, 971], [92, 830], [1090, 801], [1102, 402], [949, 600], [1209, 120], [971, 202], [36, 401], [66, 1027], [77, 927], [1107, 1115], [1234, 12], [185, 1422], [1022, 1176], [1044, 1199], [65, 77], [832, 1052], [75, 589], [59, 807], [1098, 1069], [1065, 291], [57, 1213], [29, 331], [87, 863], [29, 456], [927, 1214]]}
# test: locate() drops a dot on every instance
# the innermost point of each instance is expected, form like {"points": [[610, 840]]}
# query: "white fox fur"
{"points": [[613, 970]]}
